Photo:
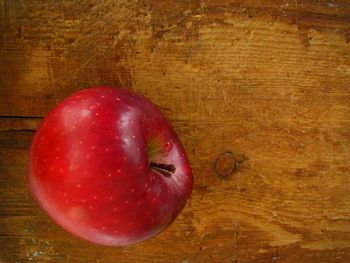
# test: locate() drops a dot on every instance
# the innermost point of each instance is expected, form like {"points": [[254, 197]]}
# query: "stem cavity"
{"points": [[163, 169]]}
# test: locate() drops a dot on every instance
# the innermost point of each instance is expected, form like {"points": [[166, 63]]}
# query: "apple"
{"points": [[107, 166]]}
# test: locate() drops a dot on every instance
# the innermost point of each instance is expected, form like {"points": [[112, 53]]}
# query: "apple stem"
{"points": [[163, 169]]}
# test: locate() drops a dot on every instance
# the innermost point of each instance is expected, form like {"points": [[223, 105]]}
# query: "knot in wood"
{"points": [[227, 163]]}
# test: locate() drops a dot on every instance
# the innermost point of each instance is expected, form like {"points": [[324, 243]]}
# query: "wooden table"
{"points": [[266, 80]]}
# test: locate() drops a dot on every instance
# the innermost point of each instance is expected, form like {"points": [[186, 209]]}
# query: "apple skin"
{"points": [[91, 167]]}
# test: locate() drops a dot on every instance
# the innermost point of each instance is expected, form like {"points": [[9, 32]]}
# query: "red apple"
{"points": [[107, 166]]}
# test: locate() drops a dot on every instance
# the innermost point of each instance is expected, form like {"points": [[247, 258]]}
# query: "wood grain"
{"points": [[265, 80]]}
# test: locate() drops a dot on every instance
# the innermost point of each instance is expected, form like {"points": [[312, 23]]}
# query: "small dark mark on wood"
{"points": [[227, 163]]}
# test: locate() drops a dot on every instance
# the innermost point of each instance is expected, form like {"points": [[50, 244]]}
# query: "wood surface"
{"points": [[265, 82]]}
